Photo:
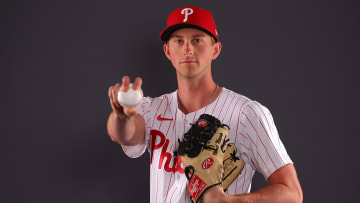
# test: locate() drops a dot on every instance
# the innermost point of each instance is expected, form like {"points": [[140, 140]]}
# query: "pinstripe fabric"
{"points": [[252, 129]]}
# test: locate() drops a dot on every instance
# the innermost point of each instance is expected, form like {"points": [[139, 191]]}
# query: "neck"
{"points": [[195, 94]]}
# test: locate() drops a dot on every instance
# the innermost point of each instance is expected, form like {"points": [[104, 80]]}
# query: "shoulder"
{"points": [[150, 105], [248, 102], [257, 116], [238, 99], [155, 102], [165, 98], [255, 110], [247, 107], [227, 92]]}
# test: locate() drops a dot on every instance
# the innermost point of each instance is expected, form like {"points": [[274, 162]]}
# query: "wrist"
{"points": [[121, 117]]}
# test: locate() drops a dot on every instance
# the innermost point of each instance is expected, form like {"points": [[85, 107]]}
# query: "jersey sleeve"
{"points": [[267, 151], [144, 110]]}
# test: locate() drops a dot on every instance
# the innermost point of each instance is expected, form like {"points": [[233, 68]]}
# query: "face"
{"points": [[191, 52]]}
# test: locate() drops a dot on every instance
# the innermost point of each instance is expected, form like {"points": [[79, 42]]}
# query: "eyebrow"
{"points": [[177, 36]]}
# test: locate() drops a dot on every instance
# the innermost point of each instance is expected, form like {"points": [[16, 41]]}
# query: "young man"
{"points": [[191, 44]]}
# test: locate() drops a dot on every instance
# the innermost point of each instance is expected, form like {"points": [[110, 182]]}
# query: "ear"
{"points": [[166, 51], [217, 49]]}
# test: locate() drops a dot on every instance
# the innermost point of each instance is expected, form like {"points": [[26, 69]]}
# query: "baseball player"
{"points": [[191, 43]]}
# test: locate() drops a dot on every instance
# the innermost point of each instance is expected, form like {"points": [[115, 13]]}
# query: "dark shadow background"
{"points": [[58, 59]]}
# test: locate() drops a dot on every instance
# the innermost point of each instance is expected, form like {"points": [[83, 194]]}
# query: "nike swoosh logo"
{"points": [[159, 118]]}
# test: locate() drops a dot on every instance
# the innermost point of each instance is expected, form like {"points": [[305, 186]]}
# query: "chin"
{"points": [[189, 74]]}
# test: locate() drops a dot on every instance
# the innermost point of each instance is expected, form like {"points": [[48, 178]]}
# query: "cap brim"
{"points": [[166, 33]]}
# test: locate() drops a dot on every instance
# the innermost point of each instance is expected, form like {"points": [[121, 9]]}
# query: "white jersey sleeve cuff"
{"points": [[134, 151]]}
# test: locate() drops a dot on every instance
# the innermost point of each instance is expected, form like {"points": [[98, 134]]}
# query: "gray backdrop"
{"points": [[58, 58]]}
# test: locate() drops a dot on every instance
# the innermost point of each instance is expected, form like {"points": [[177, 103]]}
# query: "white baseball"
{"points": [[131, 98]]}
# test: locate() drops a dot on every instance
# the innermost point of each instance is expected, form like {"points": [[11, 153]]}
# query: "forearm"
{"points": [[126, 130], [276, 193]]}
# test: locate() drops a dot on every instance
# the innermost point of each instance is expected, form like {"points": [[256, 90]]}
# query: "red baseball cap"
{"points": [[190, 17]]}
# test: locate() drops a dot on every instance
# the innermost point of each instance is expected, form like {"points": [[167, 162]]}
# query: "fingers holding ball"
{"points": [[130, 97]]}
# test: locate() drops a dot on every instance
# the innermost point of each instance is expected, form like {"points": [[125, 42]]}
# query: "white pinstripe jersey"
{"points": [[252, 129]]}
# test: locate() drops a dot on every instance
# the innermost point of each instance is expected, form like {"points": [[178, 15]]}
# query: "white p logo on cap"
{"points": [[187, 12]]}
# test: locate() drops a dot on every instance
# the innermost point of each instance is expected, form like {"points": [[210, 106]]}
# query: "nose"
{"points": [[188, 49]]}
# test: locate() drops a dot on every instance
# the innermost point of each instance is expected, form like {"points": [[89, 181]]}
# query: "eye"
{"points": [[197, 40], [178, 41]]}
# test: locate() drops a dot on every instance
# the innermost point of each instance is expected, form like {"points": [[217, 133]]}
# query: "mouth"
{"points": [[187, 62]]}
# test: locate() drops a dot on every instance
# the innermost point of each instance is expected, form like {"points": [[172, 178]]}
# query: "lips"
{"points": [[187, 61]]}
